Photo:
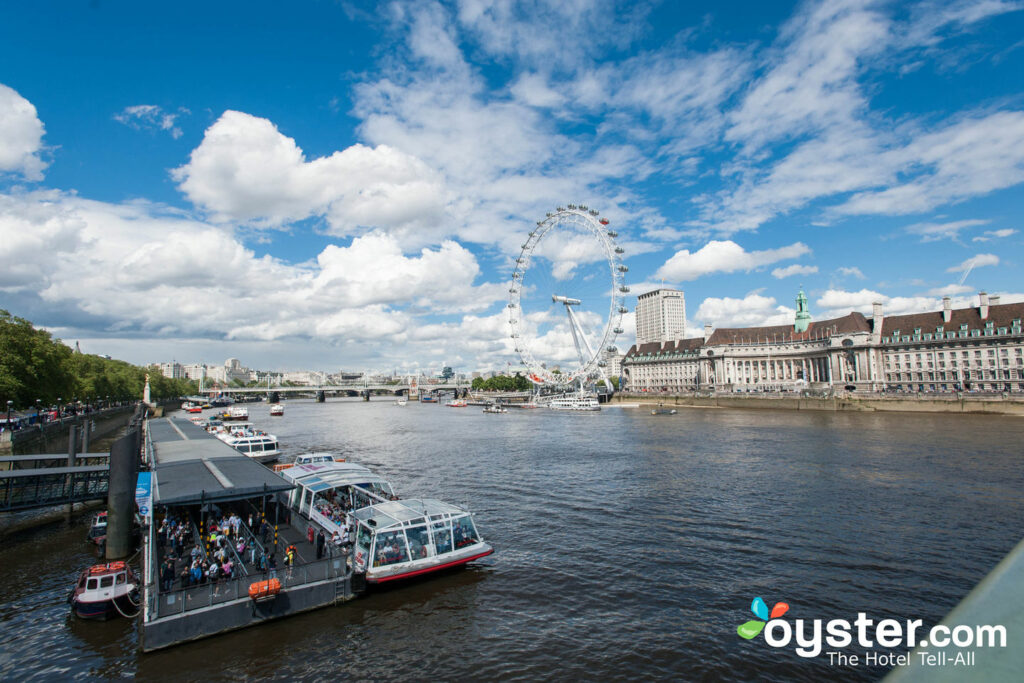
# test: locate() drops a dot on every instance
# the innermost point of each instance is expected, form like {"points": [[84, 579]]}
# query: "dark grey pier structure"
{"points": [[197, 478]]}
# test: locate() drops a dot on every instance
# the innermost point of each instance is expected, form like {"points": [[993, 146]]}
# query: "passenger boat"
{"points": [[395, 539], [236, 413], [575, 402], [456, 403], [326, 491], [401, 402], [255, 443], [104, 590], [428, 398], [660, 410], [98, 529], [189, 407], [494, 408], [401, 539], [277, 410]]}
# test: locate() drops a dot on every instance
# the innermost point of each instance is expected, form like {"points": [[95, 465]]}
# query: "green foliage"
{"points": [[501, 383], [33, 366]]}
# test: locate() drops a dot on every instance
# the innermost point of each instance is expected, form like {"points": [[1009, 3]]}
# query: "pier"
{"points": [[197, 478]]}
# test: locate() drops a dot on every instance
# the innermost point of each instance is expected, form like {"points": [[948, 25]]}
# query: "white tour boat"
{"points": [[236, 413], [327, 491], [494, 408], [277, 410], [401, 539], [575, 402], [309, 459], [104, 590], [248, 440]]}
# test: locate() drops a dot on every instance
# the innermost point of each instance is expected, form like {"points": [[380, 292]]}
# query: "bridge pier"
{"points": [[72, 452], [274, 397], [321, 396]]}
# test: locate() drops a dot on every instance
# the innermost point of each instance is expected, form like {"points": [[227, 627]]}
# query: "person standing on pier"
{"points": [[321, 540]]}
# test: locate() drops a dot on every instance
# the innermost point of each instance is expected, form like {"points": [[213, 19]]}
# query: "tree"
{"points": [[447, 373], [32, 365]]}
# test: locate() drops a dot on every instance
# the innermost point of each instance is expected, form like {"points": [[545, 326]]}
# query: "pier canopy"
{"points": [[191, 466]]}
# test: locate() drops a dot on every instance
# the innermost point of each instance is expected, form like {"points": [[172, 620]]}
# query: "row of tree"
{"points": [[501, 383], [35, 366]]}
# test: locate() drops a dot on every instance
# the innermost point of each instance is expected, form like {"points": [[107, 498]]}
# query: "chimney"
{"points": [[877, 318], [993, 300], [983, 305], [947, 309], [707, 332]]}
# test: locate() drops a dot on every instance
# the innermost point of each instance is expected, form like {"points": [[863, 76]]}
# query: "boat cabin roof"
{"points": [[400, 513], [320, 476]]}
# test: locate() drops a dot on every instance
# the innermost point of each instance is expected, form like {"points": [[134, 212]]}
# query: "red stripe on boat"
{"points": [[429, 569]]}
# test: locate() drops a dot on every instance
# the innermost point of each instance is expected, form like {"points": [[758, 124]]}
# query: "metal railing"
{"points": [[220, 592]]}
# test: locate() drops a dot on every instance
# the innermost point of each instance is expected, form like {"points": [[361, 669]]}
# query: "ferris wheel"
{"points": [[569, 261]]}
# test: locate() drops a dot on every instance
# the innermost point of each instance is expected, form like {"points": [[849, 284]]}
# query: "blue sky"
{"points": [[345, 185]]}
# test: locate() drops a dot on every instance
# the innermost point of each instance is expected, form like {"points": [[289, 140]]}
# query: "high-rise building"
{"points": [[660, 316]]}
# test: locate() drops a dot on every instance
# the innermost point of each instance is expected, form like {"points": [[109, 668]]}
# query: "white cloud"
{"points": [[138, 267], [21, 136], [850, 271], [151, 116], [931, 232], [975, 262], [994, 234], [725, 257], [794, 269], [246, 170], [753, 310], [533, 89]]}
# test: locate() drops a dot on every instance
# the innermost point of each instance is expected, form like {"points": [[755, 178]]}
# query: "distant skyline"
{"points": [[331, 185]]}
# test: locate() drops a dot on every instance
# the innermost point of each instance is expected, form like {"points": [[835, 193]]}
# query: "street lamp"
{"points": [[38, 404], [60, 412], [9, 404]]}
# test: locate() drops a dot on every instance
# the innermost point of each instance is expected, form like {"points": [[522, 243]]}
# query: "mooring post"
{"points": [[123, 478], [86, 429], [70, 478]]}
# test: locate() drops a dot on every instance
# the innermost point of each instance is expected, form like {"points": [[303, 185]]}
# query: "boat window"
{"points": [[464, 531], [121, 578], [106, 582], [256, 447], [92, 584], [419, 541], [364, 537], [442, 537], [390, 549], [243, 447], [81, 583]]}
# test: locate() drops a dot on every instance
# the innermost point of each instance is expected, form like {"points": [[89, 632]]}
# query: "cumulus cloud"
{"points": [[154, 271], [724, 257], [975, 262], [246, 170], [794, 269], [151, 116], [753, 310], [21, 136]]}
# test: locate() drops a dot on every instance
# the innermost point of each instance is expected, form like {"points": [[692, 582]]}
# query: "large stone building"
{"points": [[660, 316], [969, 349]]}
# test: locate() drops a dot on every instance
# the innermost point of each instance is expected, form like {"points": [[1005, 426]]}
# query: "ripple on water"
{"points": [[628, 546]]}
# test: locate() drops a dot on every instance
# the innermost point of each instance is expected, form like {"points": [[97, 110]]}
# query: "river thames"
{"points": [[628, 546]]}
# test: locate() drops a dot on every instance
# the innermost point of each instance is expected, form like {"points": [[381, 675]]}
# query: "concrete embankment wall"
{"points": [[53, 437], [938, 405]]}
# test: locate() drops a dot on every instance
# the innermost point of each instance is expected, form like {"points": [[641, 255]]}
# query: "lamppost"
{"points": [[38, 405], [9, 404], [60, 411]]}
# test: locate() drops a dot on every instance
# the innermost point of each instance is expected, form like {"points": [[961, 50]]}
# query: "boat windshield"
{"points": [[464, 532], [442, 536]]}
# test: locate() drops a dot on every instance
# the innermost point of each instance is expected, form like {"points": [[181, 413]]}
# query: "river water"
{"points": [[627, 546]]}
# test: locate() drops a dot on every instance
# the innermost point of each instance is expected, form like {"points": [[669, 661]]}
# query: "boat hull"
{"points": [[414, 572], [98, 611]]}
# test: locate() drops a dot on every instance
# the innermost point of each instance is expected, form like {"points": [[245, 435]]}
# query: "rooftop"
{"points": [[191, 466]]}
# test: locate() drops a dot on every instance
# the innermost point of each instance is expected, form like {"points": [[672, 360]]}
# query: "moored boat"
{"points": [[236, 413], [494, 408], [402, 539], [578, 401], [104, 590], [309, 459], [247, 440], [98, 529]]}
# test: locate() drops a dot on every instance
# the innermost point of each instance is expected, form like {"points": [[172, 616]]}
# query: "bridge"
{"points": [[32, 481], [347, 387]]}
